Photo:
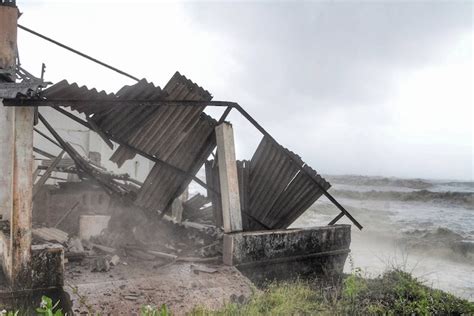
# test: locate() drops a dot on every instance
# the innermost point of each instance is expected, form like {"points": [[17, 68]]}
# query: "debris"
{"points": [[211, 250], [100, 264], [75, 250], [104, 248], [51, 234], [75, 256], [197, 259], [162, 255], [197, 269], [140, 254], [114, 260], [75, 245], [130, 298]]}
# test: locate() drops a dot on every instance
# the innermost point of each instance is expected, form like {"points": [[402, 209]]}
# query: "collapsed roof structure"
{"points": [[169, 126]]}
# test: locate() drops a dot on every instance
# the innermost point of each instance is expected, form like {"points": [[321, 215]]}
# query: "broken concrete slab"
{"points": [[51, 234]]}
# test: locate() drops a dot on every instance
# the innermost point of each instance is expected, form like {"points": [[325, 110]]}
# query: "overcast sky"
{"points": [[374, 88]]}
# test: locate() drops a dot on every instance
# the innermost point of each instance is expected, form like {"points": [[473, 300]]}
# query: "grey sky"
{"points": [[355, 87]]}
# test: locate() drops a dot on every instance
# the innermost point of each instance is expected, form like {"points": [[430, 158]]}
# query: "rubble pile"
{"points": [[132, 235]]}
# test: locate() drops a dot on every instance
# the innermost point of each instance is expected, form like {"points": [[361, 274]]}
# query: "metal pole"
{"points": [[78, 52]]}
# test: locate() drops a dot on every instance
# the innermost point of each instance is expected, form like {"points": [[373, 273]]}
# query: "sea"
{"points": [[425, 227]]}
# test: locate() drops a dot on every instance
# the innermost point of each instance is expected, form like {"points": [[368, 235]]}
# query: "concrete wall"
{"points": [[281, 254], [52, 203]]}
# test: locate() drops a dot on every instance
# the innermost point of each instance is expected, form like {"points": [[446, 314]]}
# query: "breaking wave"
{"points": [[465, 199], [442, 241], [417, 184]]}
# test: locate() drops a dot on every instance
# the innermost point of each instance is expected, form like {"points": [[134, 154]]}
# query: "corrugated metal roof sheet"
{"points": [[178, 135], [168, 126], [163, 184], [156, 130], [273, 192]]}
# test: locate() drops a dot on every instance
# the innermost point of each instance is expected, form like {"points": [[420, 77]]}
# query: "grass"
{"points": [[393, 293]]}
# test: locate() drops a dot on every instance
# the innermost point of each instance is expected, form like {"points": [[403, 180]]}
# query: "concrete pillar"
{"points": [[8, 35], [229, 183], [6, 160], [20, 221]]}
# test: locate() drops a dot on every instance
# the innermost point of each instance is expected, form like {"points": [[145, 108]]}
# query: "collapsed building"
{"points": [[90, 213]]}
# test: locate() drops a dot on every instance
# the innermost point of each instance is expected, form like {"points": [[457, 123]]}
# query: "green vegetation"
{"points": [[48, 309], [149, 310], [393, 293]]}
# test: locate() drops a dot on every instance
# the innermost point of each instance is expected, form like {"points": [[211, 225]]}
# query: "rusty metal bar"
{"points": [[66, 214], [114, 103], [338, 217], [99, 132], [77, 52], [138, 151], [44, 153], [122, 177], [224, 115], [47, 137]]}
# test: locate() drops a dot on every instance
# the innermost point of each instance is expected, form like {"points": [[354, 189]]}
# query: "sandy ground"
{"points": [[125, 288]]}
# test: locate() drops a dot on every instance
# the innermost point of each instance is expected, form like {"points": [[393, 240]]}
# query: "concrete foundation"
{"points": [[45, 271], [286, 254]]}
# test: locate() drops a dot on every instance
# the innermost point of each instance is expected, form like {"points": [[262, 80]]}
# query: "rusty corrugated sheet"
{"points": [[163, 183], [156, 130], [122, 120], [64, 90], [168, 126], [279, 192], [179, 135], [273, 192]]}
